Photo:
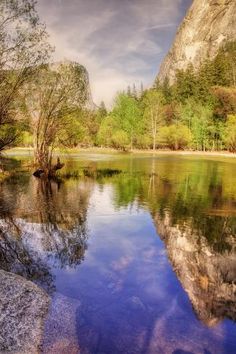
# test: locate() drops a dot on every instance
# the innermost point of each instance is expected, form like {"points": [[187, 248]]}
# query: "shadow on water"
{"points": [[134, 292]]}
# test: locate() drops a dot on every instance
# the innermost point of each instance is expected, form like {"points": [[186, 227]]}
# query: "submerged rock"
{"points": [[23, 308], [61, 326]]}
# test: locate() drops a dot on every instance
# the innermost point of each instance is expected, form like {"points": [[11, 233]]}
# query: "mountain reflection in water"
{"points": [[118, 254]]}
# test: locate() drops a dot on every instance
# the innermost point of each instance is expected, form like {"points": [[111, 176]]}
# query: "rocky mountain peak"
{"points": [[81, 80], [207, 25]]}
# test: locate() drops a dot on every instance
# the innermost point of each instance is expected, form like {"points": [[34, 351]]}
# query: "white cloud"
{"points": [[119, 42]]}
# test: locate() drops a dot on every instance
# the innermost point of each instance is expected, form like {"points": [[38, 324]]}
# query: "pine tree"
{"points": [[141, 89], [166, 90], [157, 84], [103, 109], [134, 92], [129, 91]]}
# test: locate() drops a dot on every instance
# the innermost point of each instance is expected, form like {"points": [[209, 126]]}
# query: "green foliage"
{"points": [[198, 119], [230, 133], [104, 136], [101, 112], [153, 113], [171, 112], [120, 140], [203, 99], [127, 116], [221, 71], [109, 134], [186, 84], [26, 139], [23, 46], [175, 136], [71, 133], [143, 141], [51, 101], [123, 128], [8, 135]]}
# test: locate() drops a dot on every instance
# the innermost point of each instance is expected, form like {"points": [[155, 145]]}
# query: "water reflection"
{"points": [[42, 225], [157, 273], [207, 275], [194, 214]]}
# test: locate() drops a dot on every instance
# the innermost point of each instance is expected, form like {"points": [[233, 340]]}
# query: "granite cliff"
{"points": [[80, 79], [207, 25]]}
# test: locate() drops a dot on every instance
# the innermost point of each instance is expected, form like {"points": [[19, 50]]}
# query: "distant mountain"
{"points": [[207, 25], [81, 80]]}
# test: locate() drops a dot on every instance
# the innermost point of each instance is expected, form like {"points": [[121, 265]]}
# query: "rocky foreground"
{"points": [[23, 308]]}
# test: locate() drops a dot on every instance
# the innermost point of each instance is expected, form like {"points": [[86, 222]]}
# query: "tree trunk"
{"points": [[131, 143], [154, 143]]}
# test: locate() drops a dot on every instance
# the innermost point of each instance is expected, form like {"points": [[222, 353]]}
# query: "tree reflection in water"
{"points": [[42, 225]]}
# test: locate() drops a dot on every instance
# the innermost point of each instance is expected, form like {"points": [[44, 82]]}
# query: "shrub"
{"points": [[175, 136], [120, 140], [230, 133]]}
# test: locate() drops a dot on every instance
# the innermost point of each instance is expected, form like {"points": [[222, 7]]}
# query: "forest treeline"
{"points": [[44, 105], [197, 112]]}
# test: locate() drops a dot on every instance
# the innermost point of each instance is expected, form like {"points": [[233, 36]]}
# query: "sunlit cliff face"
{"points": [[208, 276], [207, 25]]}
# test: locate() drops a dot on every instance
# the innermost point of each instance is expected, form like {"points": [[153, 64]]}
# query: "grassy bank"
{"points": [[29, 151]]}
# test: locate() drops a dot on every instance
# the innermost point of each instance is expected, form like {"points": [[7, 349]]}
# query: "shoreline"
{"points": [[23, 150]]}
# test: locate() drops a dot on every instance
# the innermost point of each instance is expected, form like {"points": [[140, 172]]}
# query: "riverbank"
{"points": [[29, 151]]}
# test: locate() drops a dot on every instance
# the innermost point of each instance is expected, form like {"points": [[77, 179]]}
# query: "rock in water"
{"points": [[23, 308], [207, 25]]}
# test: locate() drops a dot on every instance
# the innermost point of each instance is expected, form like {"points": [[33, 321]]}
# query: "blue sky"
{"points": [[120, 42]]}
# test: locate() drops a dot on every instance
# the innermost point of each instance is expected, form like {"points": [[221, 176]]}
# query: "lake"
{"points": [[138, 256]]}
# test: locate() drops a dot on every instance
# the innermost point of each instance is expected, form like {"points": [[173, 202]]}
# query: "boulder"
{"points": [[23, 308]]}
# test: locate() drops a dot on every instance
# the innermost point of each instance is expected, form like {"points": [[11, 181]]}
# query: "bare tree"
{"points": [[50, 100], [23, 46], [154, 103]]}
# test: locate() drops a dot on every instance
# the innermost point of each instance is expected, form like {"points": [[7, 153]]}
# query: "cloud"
{"points": [[120, 42]]}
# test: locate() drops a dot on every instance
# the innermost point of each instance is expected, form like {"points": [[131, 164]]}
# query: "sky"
{"points": [[120, 42]]}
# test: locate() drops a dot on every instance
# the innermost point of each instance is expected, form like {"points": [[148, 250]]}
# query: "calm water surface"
{"points": [[141, 261]]}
